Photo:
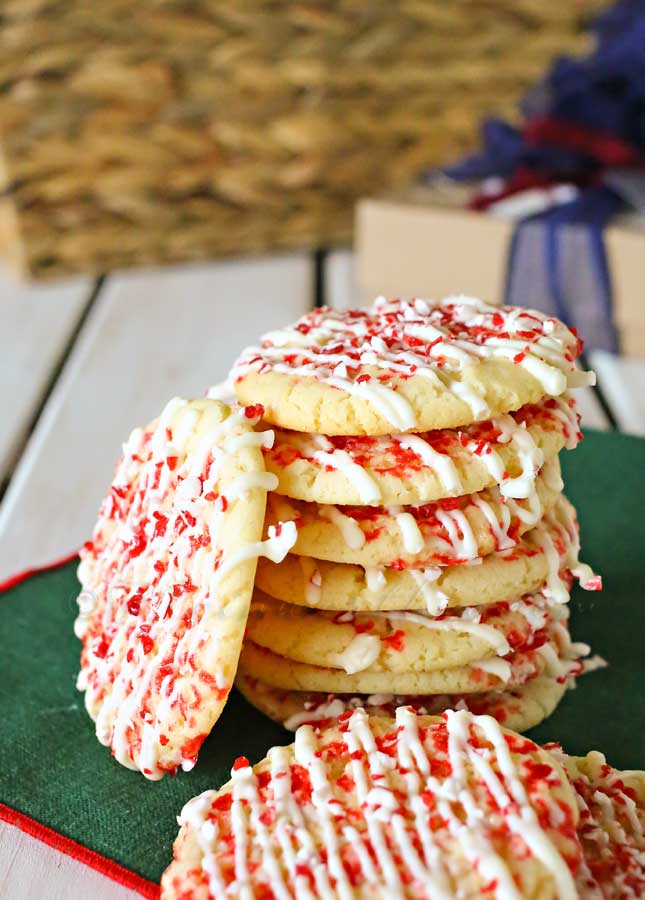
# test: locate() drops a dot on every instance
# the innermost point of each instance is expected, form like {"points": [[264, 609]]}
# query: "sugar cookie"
{"points": [[381, 808], [547, 553], [519, 708], [167, 581], [404, 641], [404, 366], [445, 532], [420, 468]]}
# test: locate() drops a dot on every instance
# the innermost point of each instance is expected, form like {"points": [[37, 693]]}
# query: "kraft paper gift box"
{"points": [[426, 242]]}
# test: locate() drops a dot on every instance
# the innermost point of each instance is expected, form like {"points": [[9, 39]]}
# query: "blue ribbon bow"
{"points": [[584, 124]]}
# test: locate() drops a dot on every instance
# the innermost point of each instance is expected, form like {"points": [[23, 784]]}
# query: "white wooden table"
{"points": [[85, 361]]}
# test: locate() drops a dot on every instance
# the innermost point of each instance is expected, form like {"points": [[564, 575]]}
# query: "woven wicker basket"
{"points": [[138, 133]]}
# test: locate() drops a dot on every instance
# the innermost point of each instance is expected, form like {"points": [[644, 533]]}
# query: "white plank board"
{"points": [[622, 380], [341, 288], [150, 336], [30, 870], [342, 292], [36, 322], [591, 412]]}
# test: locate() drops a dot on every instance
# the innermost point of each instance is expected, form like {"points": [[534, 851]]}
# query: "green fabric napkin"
{"points": [[53, 769]]}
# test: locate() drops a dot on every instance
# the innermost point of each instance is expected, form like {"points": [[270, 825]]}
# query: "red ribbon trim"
{"points": [[48, 836], [602, 146], [522, 180]]}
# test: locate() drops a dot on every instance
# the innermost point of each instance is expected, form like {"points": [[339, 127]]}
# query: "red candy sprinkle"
{"points": [[147, 643], [593, 584], [345, 782], [241, 763], [396, 640], [161, 524], [223, 803], [134, 604], [101, 648]]}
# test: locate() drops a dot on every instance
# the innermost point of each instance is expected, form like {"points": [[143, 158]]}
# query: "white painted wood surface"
{"points": [[341, 288], [30, 870], [149, 337], [622, 380], [591, 411], [35, 326]]}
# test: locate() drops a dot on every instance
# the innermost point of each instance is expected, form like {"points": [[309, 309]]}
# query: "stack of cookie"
{"points": [[416, 448]]}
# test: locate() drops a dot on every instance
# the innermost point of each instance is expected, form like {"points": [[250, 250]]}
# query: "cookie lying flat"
{"points": [[400, 641], [546, 553], [415, 807], [519, 708], [167, 581], [548, 651], [486, 675], [420, 468], [407, 366], [444, 532], [611, 827]]}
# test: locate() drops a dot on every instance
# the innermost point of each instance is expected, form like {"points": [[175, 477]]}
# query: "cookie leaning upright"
{"points": [[167, 581], [404, 366]]}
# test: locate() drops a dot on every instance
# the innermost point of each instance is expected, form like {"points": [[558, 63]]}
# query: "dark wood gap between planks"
{"points": [[55, 374], [320, 257], [601, 398]]}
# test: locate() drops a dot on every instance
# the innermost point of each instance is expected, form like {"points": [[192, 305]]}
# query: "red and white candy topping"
{"points": [[438, 533], [362, 352], [296, 708], [415, 808], [611, 827], [365, 461], [160, 634]]}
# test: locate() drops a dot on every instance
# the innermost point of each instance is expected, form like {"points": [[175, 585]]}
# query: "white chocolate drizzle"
{"points": [[360, 654], [454, 334], [461, 624], [298, 848], [313, 580], [375, 579], [278, 543], [413, 541], [440, 463], [460, 533], [500, 668], [499, 529], [366, 487], [348, 527], [528, 453], [329, 710], [426, 580]]}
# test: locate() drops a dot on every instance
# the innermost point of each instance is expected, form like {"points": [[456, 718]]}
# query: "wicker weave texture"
{"points": [[136, 133]]}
